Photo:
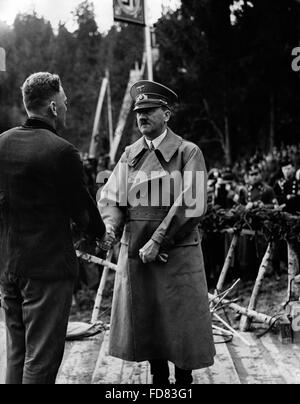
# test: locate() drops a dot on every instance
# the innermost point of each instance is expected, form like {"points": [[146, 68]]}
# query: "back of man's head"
{"points": [[38, 89]]}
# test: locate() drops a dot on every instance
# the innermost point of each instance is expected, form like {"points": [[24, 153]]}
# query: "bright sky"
{"points": [[60, 10]]}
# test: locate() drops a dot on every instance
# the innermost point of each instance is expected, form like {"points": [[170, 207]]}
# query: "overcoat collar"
{"points": [[169, 145], [167, 148]]}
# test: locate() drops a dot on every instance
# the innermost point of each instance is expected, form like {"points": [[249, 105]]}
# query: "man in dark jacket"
{"points": [[256, 193], [287, 189], [41, 190]]}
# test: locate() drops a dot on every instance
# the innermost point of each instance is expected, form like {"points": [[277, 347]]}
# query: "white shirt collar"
{"points": [[157, 141]]}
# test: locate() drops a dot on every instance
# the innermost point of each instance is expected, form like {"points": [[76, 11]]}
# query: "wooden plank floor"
{"points": [[265, 361], [78, 364], [79, 361]]}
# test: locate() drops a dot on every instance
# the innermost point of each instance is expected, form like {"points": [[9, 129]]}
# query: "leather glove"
{"points": [[108, 240]]}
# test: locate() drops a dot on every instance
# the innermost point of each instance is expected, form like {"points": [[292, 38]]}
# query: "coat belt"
{"points": [[147, 213]]}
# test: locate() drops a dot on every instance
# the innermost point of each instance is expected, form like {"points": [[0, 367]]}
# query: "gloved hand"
{"points": [[108, 240], [149, 252]]}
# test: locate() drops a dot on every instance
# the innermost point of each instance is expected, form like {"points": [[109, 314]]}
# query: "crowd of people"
{"points": [[270, 180], [265, 180]]}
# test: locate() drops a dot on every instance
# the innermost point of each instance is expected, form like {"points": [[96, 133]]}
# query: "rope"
{"points": [[226, 340], [260, 335]]}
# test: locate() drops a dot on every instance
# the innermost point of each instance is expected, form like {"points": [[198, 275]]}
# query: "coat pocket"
{"points": [[192, 238]]}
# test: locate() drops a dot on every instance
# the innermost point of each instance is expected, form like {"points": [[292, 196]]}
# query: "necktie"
{"points": [[151, 147]]}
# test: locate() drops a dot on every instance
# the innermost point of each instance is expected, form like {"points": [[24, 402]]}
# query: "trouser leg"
{"points": [[183, 376], [160, 371], [46, 308], [15, 331]]}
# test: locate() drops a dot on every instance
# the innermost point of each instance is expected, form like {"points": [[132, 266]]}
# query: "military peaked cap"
{"points": [[149, 94]]}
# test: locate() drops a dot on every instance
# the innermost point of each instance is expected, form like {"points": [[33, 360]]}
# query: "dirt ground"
{"points": [[271, 299]]}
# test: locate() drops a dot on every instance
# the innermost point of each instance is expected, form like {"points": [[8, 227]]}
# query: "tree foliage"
{"points": [[80, 58], [231, 67], [233, 72]]}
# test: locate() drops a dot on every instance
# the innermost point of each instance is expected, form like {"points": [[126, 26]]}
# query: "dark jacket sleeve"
{"points": [[75, 196]]}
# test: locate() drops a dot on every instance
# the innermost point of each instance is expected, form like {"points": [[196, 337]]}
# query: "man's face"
{"points": [[254, 177], [61, 108], [288, 171], [152, 121]]}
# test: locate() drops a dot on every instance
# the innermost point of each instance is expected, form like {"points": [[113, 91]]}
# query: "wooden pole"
{"points": [[293, 293], [272, 120], [135, 75], [2, 60], [252, 314], [109, 111], [227, 264], [266, 262], [244, 232], [148, 45], [222, 330], [95, 134], [224, 295], [231, 329], [100, 291], [95, 260]]}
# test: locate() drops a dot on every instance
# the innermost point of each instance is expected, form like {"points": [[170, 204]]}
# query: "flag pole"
{"points": [[2, 60], [148, 42]]}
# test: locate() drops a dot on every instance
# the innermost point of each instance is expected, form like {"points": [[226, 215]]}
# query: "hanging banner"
{"points": [[132, 11], [2, 60]]}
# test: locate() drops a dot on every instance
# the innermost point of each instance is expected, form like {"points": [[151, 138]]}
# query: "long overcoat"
{"points": [[160, 310]]}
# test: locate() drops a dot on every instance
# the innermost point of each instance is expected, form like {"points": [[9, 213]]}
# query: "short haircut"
{"points": [[39, 88]]}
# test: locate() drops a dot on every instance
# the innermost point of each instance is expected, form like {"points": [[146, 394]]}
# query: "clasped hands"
{"points": [[149, 253], [108, 240]]}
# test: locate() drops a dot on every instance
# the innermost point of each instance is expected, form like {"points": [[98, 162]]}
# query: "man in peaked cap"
{"points": [[160, 307], [148, 94]]}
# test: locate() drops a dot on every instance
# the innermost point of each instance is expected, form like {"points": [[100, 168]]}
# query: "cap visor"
{"points": [[149, 105]]}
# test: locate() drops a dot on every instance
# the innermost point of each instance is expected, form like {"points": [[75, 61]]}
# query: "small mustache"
{"points": [[143, 121]]}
